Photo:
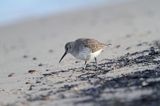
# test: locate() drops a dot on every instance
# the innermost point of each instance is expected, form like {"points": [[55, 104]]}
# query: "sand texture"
{"points": [[128, 71]]}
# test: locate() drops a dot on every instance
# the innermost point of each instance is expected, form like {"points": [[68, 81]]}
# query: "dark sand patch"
{"points": [[102, 90]]}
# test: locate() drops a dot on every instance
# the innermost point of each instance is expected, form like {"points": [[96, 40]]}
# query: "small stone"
{"points": [[140, 44], [31, 71], [118, 46], [128, 48], [47, 69], [76, 61], [11, 74], [25, 56], [40, 64], [38, 81], [68, 87], [34, 58], [27, 83]]}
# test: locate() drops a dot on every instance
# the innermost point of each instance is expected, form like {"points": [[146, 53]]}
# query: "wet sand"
{"points": [[128, 71]]}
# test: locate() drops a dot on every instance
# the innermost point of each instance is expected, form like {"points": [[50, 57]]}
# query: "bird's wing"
{"points": [[93, 44]]}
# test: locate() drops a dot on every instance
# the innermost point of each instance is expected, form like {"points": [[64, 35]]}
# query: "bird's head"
{"points": [[68, 49]]}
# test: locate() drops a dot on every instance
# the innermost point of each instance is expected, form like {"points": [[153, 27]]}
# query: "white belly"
{"points": [[86, 54], [95, 54]]}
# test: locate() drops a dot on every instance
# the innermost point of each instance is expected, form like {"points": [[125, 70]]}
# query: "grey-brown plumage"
{"points": [[93, 44], [84, 49]]}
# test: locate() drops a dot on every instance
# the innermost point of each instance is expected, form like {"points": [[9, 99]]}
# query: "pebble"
{"points": [[11, 74], [31, 71], [25, 56], [34, 58], [40, 64]]}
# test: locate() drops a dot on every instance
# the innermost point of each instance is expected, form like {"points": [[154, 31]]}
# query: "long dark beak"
{"points": [[63, 56]]}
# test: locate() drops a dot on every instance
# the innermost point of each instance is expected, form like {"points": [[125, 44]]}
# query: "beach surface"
{"points": [[128, 71]]}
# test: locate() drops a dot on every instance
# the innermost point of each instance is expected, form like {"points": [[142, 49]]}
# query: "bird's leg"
{"points": [[85, 64], [96, 62]]}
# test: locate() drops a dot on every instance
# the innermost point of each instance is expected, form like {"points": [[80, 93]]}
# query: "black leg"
{"points": [[85, 64], [96, 61]]}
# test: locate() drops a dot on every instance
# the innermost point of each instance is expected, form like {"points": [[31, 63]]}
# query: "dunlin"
{"points": [[84, 49]]}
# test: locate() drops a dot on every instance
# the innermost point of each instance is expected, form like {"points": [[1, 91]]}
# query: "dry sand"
{"points": [[128, 74]]}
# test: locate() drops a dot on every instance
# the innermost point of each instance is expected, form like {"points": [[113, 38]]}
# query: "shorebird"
{"points": [[84, 49]]}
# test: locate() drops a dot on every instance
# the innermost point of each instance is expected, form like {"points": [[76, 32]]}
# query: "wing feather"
{"points": [[93, 44]]}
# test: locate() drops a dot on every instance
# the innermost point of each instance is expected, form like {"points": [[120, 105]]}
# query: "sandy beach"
{"points": [[128, 73]]}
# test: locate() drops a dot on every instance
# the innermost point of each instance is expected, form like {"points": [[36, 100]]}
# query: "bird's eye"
{"points": [[66, 48], [69, 47]]}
